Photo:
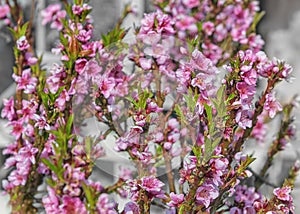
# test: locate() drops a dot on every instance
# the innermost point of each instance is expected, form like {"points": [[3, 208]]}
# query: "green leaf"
{"points": [[13, 32], [180, 114], [221, 94], [130, 99], [50, 165], [190, 99], [89, 196], [23, 29], [69, 124], [230, 97], [245, 164], [256, 20], [197, 150]]}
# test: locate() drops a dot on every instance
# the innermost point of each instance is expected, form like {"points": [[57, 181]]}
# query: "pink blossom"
{"points": [[246, 195], [4, 11], [246, 91], [92, 71], [244, 118], [153, 186], [41, 122], [283, 193], [186, 23], [131, 208], [106, 85], [163, 26], [84, 35], [79, 65], [25, 82], [48, 13], [145, 63], [235, 210], [8, 111], [51, 201], [22, 43], [272, 106], [28, 109], [260, 130], [55, 80], [208, 28], [173, 124], [60, 102], [176, 199], [72, 205], [206, 193], [54, 14], [10, 162], [104, 205], [191, 3], [27, 153], [30, 59], [17, 128], [77, 10], [17, 179]]}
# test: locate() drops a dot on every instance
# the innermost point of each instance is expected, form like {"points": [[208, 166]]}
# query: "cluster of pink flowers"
{"points": [[244, 199], [227, 23], [252, 66]]}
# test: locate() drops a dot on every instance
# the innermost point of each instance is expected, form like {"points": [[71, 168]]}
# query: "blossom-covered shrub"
{"points": [[186, 107]]}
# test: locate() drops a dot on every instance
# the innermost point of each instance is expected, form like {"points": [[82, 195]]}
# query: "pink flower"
{"points": [[60, 102], [244, 119], [72, 205], [54, 14], [55, 80], [191, 3], [153, 186], [51, 201], [17, 128], [41, 122], [30, 59], [22, 43], [17, 179], [208, 27], [145, 63], [104, 205], [4, 11], [246, 91], [131, 208], [235, 210], [272, 106], [77, 10], [158, 22], [206, 193], [25, 82], [80, 64], [28, 109], [202, 63], [92, 71], [106, 85], [48, 13], [27, 153], [186, 23], [283, 193], [176, 199], [8, 111], [173, 124], [84, 35]]}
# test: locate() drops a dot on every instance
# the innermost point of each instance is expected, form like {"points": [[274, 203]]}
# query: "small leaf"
{"points": [[50, 165], [69, 124]]}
